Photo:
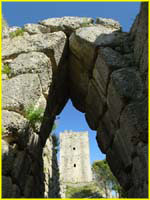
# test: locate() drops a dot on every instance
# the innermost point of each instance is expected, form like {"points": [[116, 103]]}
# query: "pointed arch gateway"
{"points": [[104, 72]]}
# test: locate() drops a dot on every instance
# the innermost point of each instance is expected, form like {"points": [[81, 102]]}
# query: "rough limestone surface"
{"points": [[84, 46], [29, 71], [48, 43], [36, 29], [66, 24], [103, 71], [108, 22], [34, 62], [139, 32], [24, 90]]}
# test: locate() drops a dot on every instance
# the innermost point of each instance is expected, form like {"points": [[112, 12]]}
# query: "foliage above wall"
{"points": [[106, 179]]}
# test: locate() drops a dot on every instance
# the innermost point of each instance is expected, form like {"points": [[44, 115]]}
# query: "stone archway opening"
{"points": [[72, 120], [77, 142]]}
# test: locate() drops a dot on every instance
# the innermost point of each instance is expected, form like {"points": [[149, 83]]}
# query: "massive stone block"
{"points": [[24, 90], [79, 80], [66, 24], [134, 121], [34, 63], [95, 105], [107, 61], [105, 132], [44, 42], [122, 90], [108, 23], [84, 40], [36, 29], [84, 44]]}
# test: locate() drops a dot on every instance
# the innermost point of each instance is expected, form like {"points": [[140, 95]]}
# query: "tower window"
{"points": [[74, 165], [74, 148]]}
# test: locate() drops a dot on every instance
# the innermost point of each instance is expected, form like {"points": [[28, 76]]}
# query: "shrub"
{"points": [[19, 32], [34, 114], [6, 70]]}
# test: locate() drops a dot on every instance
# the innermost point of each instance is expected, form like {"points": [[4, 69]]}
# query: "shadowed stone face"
{"points": [[103, 71]]}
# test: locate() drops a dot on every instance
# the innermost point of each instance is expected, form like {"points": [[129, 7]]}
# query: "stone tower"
{"points": [[75, 157]]}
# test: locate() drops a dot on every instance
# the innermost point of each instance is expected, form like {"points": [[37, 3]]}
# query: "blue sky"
{"points": [[20, 13]]}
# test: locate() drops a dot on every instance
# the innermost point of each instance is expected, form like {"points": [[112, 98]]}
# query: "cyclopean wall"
{"points": [[29, 169], [104, 72]]}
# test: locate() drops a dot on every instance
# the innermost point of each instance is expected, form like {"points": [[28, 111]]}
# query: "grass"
{"points": [[6, 70], [34, 114], [82, 191], [19, 32]]}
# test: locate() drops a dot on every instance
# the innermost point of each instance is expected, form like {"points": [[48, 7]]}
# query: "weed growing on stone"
{"points": [[3, 130], [34, 114], [85, 23], [16, 33], [6, 70]]}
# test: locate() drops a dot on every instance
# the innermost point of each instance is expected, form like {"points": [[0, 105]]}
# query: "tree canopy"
{"points": [[106, 179]]}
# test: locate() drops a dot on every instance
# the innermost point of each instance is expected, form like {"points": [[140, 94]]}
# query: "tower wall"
{"points": [[75, 157]]}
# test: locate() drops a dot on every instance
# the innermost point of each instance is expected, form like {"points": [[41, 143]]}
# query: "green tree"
{"points": [[105, 178]]}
